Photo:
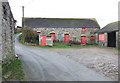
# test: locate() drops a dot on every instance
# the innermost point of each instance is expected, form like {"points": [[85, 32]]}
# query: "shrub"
{"points": [[29, 35], [74, 43], [17, 30]]}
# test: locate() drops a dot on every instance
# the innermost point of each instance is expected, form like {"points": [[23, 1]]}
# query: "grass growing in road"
{"points": [[13, 71]]}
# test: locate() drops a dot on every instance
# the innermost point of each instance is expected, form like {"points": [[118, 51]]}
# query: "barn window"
{"points": [[101, 36], [92, 37], [83, 29]]}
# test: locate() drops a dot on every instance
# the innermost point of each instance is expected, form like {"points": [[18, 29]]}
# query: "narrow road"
{"points": [[43, 65]]}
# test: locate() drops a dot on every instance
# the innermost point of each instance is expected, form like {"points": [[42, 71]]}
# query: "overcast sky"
{"points": [[105, 11]]}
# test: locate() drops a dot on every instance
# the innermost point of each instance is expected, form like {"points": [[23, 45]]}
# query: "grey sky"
{"points": [[105, 11]]}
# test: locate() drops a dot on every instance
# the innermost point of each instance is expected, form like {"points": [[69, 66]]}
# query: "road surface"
{"points": [[43, 65]]}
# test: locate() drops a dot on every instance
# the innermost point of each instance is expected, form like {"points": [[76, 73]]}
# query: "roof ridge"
{"points": [[58, 18]]}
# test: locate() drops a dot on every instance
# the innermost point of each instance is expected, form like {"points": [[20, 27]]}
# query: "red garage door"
{"points": [[52, 35], [83, 39], [66, 37], [43, 40]]}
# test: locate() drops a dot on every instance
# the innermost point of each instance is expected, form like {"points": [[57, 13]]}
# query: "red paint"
{"points": [[52, 35], [101, 36], [43, 40], [83, 29], [83, 39], [92, 37], [66, 37]]}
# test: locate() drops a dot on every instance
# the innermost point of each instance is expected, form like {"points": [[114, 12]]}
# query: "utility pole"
{"points": [[22, 16]]}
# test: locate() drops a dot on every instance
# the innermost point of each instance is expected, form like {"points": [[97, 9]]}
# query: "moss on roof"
{"points": [[61, 22]]}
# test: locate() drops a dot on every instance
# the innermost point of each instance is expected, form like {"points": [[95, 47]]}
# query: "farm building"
{"points": [[108, 35], [65, 29]]}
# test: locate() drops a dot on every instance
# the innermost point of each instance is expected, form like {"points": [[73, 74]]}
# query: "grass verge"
{"points": [[64, 45], [13, 71], [20, 39]]}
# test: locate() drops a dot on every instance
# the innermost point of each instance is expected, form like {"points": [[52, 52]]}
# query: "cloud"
{"points": [[104, 11]]}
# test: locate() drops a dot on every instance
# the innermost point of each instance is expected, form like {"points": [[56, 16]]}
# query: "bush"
{"points": [[17, 31], [29, 35], [74, 43]]}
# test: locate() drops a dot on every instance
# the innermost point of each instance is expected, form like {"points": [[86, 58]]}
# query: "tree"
{"points": [[29, 35]]}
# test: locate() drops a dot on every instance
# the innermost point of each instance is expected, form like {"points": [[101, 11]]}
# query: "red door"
{"points": [[101, 36], [92, 37], [66, 37], [43, 40], [83, 39], [52, 35]]}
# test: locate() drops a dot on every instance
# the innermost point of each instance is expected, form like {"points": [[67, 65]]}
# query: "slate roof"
{"points": [[110, 27], [60, 23]]}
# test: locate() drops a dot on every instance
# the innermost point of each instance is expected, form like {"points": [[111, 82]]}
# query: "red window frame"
{"points": [[83, 29]]}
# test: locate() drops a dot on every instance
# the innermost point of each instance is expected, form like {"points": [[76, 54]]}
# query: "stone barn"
{"points": [[108, 35], [7, 25], [65, 29]]}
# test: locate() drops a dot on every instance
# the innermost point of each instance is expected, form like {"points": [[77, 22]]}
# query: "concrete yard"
{"points": [[103, 60]]}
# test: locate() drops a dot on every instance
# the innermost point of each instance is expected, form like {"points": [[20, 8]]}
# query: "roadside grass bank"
{"points": [[62, 45], [0, 71], [17, 31], [67, 45], [13, 71]]}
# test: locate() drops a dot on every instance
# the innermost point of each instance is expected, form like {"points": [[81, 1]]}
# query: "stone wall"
{"points": [[74, 33], [7, 24], [0, 31]]}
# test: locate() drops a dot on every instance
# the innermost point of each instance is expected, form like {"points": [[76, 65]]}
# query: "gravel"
{"points": [[103, 60]]}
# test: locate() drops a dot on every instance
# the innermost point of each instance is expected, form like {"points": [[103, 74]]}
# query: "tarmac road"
{"points": [[43, 65]]}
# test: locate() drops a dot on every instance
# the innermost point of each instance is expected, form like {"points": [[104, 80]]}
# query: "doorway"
{"points": [[83, 39], [112, 39], [53, 36], [66, 37]]}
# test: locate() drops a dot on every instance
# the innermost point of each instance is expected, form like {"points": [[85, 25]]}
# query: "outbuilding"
{"points": [[108, 35], [65, 29]]}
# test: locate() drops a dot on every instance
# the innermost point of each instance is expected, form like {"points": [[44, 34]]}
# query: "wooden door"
{"points": [[53, 36], [66, 37], [43, 40], [83, 39]]}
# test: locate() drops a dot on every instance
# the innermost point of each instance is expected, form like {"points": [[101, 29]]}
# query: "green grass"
{"points": [[61, 44], [20, 39], [0, 71], [14, 70], [117, 49], [17, 31], [66, 45]]}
